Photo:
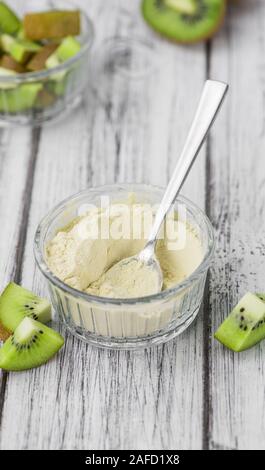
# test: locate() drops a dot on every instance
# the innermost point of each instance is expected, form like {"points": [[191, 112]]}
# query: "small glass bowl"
{"points": [[38, 97], [127, 323]]}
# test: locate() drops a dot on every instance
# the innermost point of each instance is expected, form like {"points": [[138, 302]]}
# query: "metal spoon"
{"points": [[210, 102]]}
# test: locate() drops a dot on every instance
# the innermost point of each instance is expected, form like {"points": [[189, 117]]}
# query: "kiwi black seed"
{"points": [[184, 21]]}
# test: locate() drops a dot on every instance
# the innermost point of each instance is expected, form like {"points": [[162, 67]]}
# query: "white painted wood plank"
{"points": [[89, 398], [15, 155], [15, 148], [237, 381]]}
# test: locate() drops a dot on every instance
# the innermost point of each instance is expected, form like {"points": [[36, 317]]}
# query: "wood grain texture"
{"points": [[190, 393], [16, 171], [89, 398], [237, 381]]}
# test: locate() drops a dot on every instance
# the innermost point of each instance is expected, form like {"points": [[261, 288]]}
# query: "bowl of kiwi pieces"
{"points": [[44, 60], [184, 21]]}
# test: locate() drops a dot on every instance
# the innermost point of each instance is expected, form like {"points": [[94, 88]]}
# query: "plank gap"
{"points": [[206, 303]]}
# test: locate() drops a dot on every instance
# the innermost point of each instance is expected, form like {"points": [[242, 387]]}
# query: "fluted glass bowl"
{"points": [[127, 323], [39, 97]]}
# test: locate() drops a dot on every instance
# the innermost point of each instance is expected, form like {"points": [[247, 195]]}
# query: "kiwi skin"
{"points": [[205, 37], [4, 334]]}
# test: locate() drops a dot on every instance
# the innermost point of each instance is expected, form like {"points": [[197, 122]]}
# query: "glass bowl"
{"points": [[38, 97], [127, 323]]}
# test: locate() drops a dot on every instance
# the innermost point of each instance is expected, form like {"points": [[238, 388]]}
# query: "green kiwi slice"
{"points": [[6, 41], [31, 345], [245, 326], [18, 99], [68, 48], [184, 21], [16, 303], [21, 50], [4, 72], [9, 22]]}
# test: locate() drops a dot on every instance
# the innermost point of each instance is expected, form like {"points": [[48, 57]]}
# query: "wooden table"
{"points": [[190, 393]]}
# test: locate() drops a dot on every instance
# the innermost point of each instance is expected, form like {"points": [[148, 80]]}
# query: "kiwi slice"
{"points": [[52, 24], [184, 21], [19, 99], [245, 326], [68, 48], [21, 50], [20, 34], [57, 86], [38, 61], [6, 85], [44, 99], [6, 42], [31, 345], [17, 303], [9, 22], [7, 62]]}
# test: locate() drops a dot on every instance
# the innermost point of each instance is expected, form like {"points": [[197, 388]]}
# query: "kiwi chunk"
{"points": [[17, 303], [58, 86], [6, 85], [6, 42], [38, 61], [44, 99], [31, 345], [184, 21], [52, 24], [68, 48], [19, 99], [245, 326], [9, 22], [21, 50], [7, 62]]}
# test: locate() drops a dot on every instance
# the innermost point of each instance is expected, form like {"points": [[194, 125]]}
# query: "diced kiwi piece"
{"points": [[184, 21], [9, 22], [38, 61], [7, 62], [57, 87], [20, 98], [16, 303], [245, 326], [31, 345], [6, 42], [52, 24], [21, 33], [5, 85], [68, 48], [44, 99], [21, 50]]}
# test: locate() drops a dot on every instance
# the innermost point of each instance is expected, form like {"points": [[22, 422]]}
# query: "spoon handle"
{"points": [[210, 102]]}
